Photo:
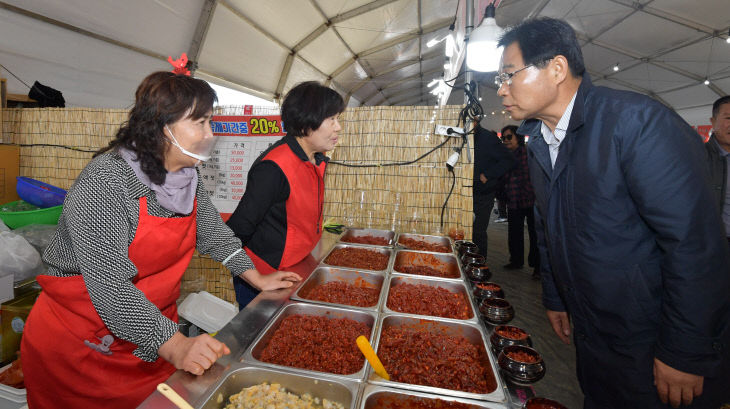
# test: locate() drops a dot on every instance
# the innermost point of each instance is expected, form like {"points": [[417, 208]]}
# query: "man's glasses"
{"points": [[506, 77]]}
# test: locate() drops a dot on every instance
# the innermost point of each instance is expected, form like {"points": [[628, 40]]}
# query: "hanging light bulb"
{"points": [[616, 67], [482, 53], [480, 98], [447, 64], [707, 81], [727, 40]]}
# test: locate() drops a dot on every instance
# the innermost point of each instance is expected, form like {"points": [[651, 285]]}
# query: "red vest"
{"points": [[304, 208]]}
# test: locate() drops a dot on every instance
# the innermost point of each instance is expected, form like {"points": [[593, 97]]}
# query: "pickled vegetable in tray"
{"points": [[412, 402], [414, 244], [357, 258], [273, 395], [340, 292], [435, 359], [428, 300], [317, 343], [428, 271], [367, 239]]}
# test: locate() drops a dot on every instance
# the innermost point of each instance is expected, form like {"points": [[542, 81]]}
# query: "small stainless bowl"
{"points": [[520, 371], [469, 258], [478, 272], [542, 403], [463, 246], [501, 338], [496, 311], [486, 289]]}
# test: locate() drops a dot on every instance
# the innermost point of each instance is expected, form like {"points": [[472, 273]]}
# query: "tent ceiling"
{"points": [[372, 51]]}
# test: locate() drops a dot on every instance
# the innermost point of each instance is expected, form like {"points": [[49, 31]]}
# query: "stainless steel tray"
{"points": [[240, 376], [371, 393], [442, 240], [474, 333], [382, 250], [444, 261], [254, 351], [324, 275], [453, 286], [350, 232]]}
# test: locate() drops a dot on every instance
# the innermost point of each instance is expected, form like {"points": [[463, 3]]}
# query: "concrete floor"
{"points": [[560, 382]]}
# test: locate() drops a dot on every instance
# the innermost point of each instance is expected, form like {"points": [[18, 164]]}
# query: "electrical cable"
{"points": [[378, 165], [50, 145], [453, 183]]}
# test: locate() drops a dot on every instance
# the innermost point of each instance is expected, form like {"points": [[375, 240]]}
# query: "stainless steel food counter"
{"points": [[241, 332]]}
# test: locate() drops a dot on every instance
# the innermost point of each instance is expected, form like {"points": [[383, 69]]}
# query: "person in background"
{"points": [[103, 332], [632, 247], [279, 217], [520, 204], [718, 156], [491, 160]]}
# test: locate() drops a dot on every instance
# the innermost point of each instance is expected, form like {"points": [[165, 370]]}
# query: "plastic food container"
{"points": [[16, 214], [39, 193], [207, 311]]}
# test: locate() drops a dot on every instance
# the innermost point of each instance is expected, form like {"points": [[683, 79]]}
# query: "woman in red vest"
{"points": [[279, 218], [103, 332]]}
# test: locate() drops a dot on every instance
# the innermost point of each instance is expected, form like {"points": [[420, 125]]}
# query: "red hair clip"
{"points": [[180, 65]]}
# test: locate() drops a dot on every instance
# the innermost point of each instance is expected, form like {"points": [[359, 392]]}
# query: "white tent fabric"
{"points": [[372, 51]]}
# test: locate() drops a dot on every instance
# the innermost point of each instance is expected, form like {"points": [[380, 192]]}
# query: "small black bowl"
{"points": [[520, 371], [463, 246], [496, 311], [478, 272], [486, 289], [470, 258], [503, 336], [542, 403]]}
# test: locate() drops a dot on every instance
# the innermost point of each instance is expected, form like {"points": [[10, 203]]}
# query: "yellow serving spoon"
{"points": [[367, 350]]}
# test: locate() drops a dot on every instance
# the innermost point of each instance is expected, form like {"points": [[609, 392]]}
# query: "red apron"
{"points": [[64, 363]]}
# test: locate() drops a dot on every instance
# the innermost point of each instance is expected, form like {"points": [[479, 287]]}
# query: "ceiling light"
{"points": [[480, 98], [616, 67], [707, 81], [728, 37], [482, 53], [492, 112], [502, 112]]}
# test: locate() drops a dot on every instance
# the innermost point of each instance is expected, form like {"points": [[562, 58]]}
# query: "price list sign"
{"points": [[241, 139]]}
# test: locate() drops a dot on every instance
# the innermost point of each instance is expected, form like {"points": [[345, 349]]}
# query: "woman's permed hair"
{"points": [[161, 99], [307, 105]]}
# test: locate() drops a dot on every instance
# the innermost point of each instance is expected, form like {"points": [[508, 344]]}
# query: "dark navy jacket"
{"points": [[634, 247]]}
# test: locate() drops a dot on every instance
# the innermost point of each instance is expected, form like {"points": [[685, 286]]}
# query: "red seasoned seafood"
{"points": [[357, 258], [367, 239], [427, 271], [427, 300], [414, 244], [435, 359], [317, 343], [412, 402], [521, 356], [511, 332], [340, 292], [490, 287]]}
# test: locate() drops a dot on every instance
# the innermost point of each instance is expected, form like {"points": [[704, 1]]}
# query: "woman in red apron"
{"points": [[103, 332]]}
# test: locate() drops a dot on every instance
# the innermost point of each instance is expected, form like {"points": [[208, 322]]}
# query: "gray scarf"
{"points": [[176, 194]]}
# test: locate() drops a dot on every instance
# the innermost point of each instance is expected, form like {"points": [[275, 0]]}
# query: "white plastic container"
{"points": [[11, 398], [206, 311]]}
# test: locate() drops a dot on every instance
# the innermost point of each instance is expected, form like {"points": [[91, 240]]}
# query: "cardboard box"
{"points": [[9, 170]]}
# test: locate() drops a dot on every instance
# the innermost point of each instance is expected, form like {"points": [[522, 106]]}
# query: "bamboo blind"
{"points": [[57, 143]]}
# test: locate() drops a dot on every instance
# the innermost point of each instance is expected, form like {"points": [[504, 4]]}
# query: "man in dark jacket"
{"points": [[631, 243], [718, 155], [491, 160]]}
